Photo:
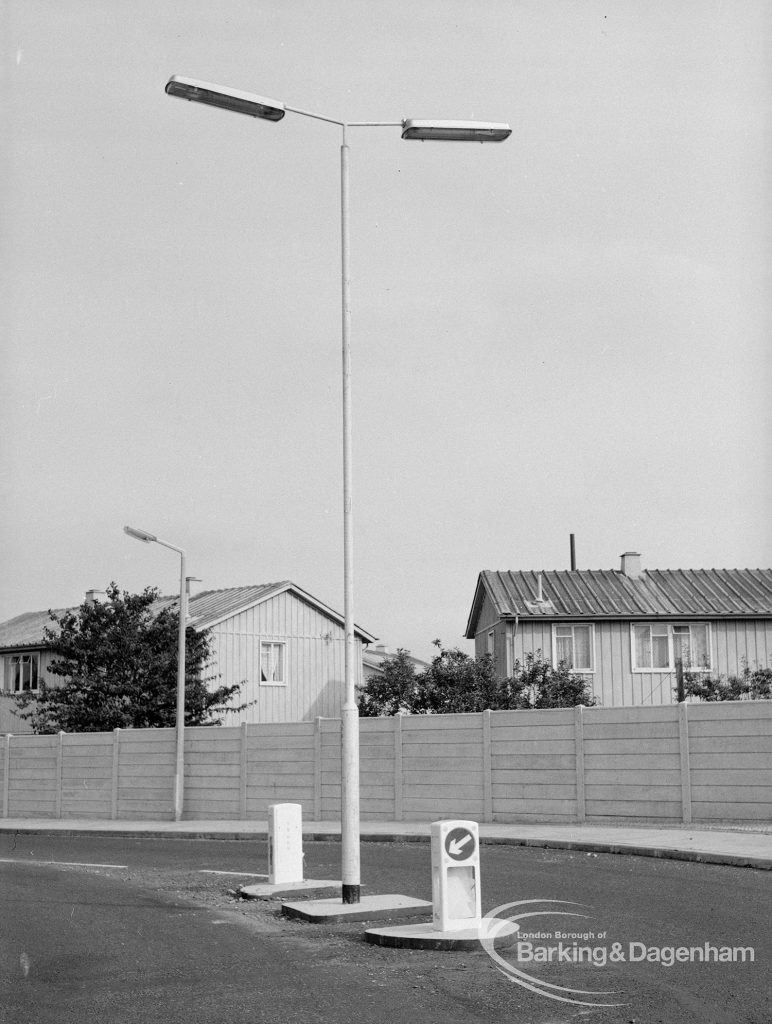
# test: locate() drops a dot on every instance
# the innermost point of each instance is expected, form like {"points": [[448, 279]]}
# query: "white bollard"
{"points": [[285, 844], [456, 903]]}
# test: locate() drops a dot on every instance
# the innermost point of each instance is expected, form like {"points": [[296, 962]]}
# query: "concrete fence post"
{"points": [[487, 766], [243, 765], [317, 769], [59, 759], [686, 774], [581, 811], [7, 774], [116, 774], [398, 810]]}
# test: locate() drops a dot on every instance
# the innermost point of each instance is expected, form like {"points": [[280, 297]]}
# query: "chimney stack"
{"points": [[631, 564], [96, 596]]}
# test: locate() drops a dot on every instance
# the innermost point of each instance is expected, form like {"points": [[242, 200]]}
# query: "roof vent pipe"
{"points": [[573, 552], [539, 593]]}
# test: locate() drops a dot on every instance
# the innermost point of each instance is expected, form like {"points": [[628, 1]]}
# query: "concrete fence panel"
{"points": [[731, 761], [684, 763], [145, 784], [533, 765], [87, 775], [632, 766], [34, 766], [442, 768], [280, 767], [377, 768], [213, 772], [328, 767]]}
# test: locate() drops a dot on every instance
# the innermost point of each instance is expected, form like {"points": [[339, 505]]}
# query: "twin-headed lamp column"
{"points": [[455, 131]]}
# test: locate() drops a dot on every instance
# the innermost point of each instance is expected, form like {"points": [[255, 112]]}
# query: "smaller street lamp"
{"points": [[179, 771]]}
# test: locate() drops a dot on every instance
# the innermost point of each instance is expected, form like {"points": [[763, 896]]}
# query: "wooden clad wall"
{"points": [[686, 763], [614, 684], [315, 655]]}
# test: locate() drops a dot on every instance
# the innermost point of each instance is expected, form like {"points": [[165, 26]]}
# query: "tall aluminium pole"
{"points": [[242, 102], [350, 714]]}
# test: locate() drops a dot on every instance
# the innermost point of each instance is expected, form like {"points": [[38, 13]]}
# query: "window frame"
{"points": [[17, 660], [572, 625], [671, 627], [282, 647]]}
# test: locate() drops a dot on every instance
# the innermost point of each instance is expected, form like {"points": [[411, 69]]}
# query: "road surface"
{"points": [[147, 933]]}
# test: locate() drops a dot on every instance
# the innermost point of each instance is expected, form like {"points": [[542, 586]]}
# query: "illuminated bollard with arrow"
{"points": [[457, 921], [455, 875]]}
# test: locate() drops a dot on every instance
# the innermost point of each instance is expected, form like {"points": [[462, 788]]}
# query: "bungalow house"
{"points": [[374, 657], [625, 630], [286, 646]]}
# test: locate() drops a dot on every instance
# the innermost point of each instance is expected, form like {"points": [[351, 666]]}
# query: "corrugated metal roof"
{"points": [[608, 593], [215, 605], [205, 609]]}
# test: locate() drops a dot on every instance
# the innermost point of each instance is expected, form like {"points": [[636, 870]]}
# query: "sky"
{"points": [[568, 332]]}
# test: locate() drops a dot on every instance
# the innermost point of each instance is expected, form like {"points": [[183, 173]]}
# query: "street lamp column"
{"points": [[256, 106], [179, 767], [350, 870]]}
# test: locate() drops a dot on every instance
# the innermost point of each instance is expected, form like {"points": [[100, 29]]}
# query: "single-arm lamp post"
{"points": [[179, 770], [450, 131]]}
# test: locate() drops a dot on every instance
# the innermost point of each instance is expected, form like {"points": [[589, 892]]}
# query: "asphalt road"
{"points": [[154, 938]]}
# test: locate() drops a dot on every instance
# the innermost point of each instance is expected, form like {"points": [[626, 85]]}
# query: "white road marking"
{"points": [[60, 863], [243, 874]]}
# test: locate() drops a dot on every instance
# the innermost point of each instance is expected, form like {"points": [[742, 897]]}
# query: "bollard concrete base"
{"points": [[268, 891], [369, 908], [424, 936]]}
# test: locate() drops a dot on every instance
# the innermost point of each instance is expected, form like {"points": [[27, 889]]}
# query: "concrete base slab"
{"points": [[267, 891], [369, 908], [423, 936]]}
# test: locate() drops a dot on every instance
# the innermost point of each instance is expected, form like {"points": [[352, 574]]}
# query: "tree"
{"points": [[391, 691], [455, 682], [536, 684], [750, 684], [118, 663]]}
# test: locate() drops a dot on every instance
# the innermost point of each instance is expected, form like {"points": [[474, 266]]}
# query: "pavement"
{"points": [[739, 846]]}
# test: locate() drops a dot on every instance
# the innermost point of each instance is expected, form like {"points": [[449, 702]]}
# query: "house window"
{"points": [[23, 672], [272, 664], [658, 646], [574, 645], [491, 644]]}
